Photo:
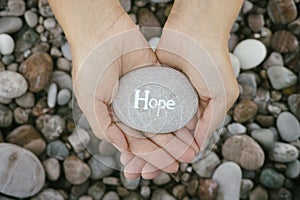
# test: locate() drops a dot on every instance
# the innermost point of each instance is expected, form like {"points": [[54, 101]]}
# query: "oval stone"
{"points": [[12, 84], [283, 152], [37, 69], [155, 100], [282, 11], [22, 174], [281, 77], [284, 42], [288, 126]]}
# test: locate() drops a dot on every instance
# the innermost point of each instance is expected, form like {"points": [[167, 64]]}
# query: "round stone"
{"points": [[283, 153], [243, 150], [288, 126], [275, 58], [79, 139], [63, 97], [10, 24], [282, 12], [101, 166], [246, 187], [155, 99], [162, 179], [250, 53], [294, 104], [256, 22], [63, 64], [51, 126], [57, 149], [6, 116], [271, 179], [76, 171], [111, 196], [26, 100], [22, 174], [281, 77], [259, 193], [284, 42], [7, 44], [235, 63], [12, 84], [65, 48], [208, 189], [31, 18], [245, 111], [52, 167]]}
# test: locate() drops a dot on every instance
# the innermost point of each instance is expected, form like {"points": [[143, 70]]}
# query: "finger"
{"points": [[192, 123], [150, 172], [186, 136], [126, 157], [135, 166]]}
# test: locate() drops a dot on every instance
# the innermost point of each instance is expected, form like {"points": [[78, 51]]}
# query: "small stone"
{"points": [[51, 126], [294, 104], [10, 24], [114, 181], [126, 4], [256, 22], [208, 189], [275, 59], [282, 12], [65, 49], [101, 166], [57, 149], [246, 187], [79, 139], [52, 168], [288, 127], [79, 190], [170, 105], [283, 152], [6, 116], [85, 197], [49, 23], [271, 179], [192, 187], [31, 18], [27, 137], [149, 24], [160, 1], [282, 194], [12, 84], [4, 100], [111, 196], [265, 120], [206, 166], [153, 42], [106, 148], [265, 137], [236, 128], [145, 191], [7, 44], [245, 111], [49, 193], [63, 64], [294, 26], [45, 9], [37, 69], [228, 172], [284, 42], [76, 171], [235, 63], [293, 169], [259, 193], [62, 79], [162, 179], [248, 85], [161, 194], [281, 77], [26, 100], [14, 8], [247, 6], [261, 99], [130, 184], [52, 93], [97, 190], [22, 174], [179, 191], [250, 53], [243, 150]]}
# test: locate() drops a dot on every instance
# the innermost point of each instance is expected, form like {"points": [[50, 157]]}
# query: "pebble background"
{"points": [[257, 156]]}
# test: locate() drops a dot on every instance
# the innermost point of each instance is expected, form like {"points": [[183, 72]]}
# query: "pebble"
{"points": [[52, 168], [236, 128], [149, 24], [37, 69], [14, 8], [85, 197], [275, 59], [206, 166], [283, 153], [101, 166], [232, 42], [26, 100], [51, 126], [57, 149], [282, 12], [79, 139], [65, 49], [288, 126], [259, 193], [4, 100], [49, 193], [235, 63], [264, 137], [170, 104], [162, 194], [22, 174], [293, 169], [294, 104], [62, 79], [247, 6], [284, 42], [162, 179], [21, 116], [52, 93], [27, 137], [126, 4], [130, 184], [282, 193], [248, 85], [262, 99], [111, 196], [145, 191], [76, 171], [193, 186], [49, 23], [153, 42], [44, 8], [228, 172], [246, 187], [63, 97], [160, 1], [250, 53], [12, 84], [281, 77], [7, 44], [243, 150], [256, 22], [245, 111], [208, 189], [106, 148], [31, 18], [294, 26], [113, 181], [6, 116], [10, 24], [63, 64], [271, 179], [97, 190]]}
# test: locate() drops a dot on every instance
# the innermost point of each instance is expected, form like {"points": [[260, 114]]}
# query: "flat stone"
{"points": [[206, 166], [246, 187], [101, 166], [245, 111], [294, 104], [31, 18], [169, 106], [283, 153], [256, 22], [282, 12], [52, 168], [248, 85], [37, 69], [162, 179], [6, 116], [208, 189], [10, 24], [65, 49], [281, 77], [243, 150], [22, 174], [51, 126], [284, 42], [12, 84], [288, 127], [49, 193], [259, 193], [265, 137], [250, 53], [27, 137], [271, 179], [114, 181], [62, 79], [26, 100], [76, 171], [79, 139], [293, 169], [235, 63], [229, 176], [57, 149]]}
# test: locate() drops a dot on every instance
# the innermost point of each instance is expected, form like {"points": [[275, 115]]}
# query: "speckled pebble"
{"points": [[283, 152], [51, 126], [79, 139], [248, 85], [12, 84], [76, 171], [14, 8], [245, 111], [52, 168], [281, 77], [10, 24]]}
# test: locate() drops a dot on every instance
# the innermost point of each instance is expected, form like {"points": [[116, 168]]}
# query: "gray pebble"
{"points": [[10, 24], [145, 191], [65, 49], [97, 190], [52, 93], [85, 197], [206, 166], [64, 96], [126, 4], [49, 193], [114, 181], [281, 77], [246, 187], [6, 116], [294, 104], [26, 100], [265, 137], [76, 171], [111, 196], [248, 86], [62, 79], [101, 166], [106, 148], [229, 177], [259, 193], [79, 139], [51, 126], [236, 128], [160, 1], [63, 64], [57, 149], [49, 23], [52, 168], [130, 184], [271, 179], [288, 126], [168, 105], [12, 84], [162, 179], [14, 8], [4, 100], [293, 169], [162, 194], [22, 174], [31, 18], [44, 8], [283, 152], [275, 59]]}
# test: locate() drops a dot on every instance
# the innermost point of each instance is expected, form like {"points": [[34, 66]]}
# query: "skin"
{"points": [[102, 32]]}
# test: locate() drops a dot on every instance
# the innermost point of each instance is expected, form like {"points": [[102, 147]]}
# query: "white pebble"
{"points": [[52, 93], [49, 23], [31, 18], [235, 63], [7, 44], [153, 42]]}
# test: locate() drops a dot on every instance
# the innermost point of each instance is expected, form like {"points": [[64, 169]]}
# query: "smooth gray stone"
{"points": [[162, 194], [265, 137], [283, 152], [155, 99], [281, 77], [288, 126], [293, 169], [271, 179], [12, 84], [246, 187], [57, 149], [10, 24], [101, 166], [111, 196], [6, 116], [49, 193], [97, 190], [206, 166], [22, 174], [229, 177], [248, 86]]}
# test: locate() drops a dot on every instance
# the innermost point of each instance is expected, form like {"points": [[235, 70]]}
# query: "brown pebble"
{"points": [[294, 26], [282, 11], [284, 42], [147, 20], [21, 115], [37, 70], [40, 108], [208, 189], [265, 120], [256, 22], [245, 111], [76, 171]]}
